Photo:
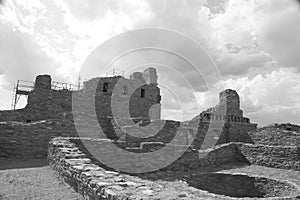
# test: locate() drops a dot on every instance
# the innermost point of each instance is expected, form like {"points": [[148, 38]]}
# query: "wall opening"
{"points": [[143, 91], [125, 89], [105, 87]]}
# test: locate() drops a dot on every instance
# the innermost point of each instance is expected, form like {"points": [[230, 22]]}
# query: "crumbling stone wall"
{"points": [[13, 115], [275, 135], [227, 110], [43, 103], [135, 97], [26, 141], [225, 120], [226, 153], [225, 132], [284, 157], [95, 181]]}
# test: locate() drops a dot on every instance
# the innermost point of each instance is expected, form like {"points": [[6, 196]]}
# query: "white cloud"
{"points": [[258, 28]]}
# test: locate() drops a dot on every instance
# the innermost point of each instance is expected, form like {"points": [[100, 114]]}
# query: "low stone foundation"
{"points": [[241, 186], [96, 181]]}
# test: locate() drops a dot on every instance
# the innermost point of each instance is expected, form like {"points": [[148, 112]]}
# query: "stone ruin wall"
{"points": [[209, 125], [93, 180], [43, 103], [225, 120], [18, 140], [277, 135], [30, 141], [46, 103], [283, 157]]}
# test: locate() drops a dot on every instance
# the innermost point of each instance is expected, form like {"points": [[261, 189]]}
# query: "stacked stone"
{"points": [[92, 181], [283, 157], [30, 140], [276, 136], [226, 153]]}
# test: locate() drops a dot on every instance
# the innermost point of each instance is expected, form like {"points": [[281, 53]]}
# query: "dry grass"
{"points": [[34, 183]]}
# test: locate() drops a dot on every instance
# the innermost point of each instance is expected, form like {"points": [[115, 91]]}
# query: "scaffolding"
{"points": [[23, 88], [64, 86]]}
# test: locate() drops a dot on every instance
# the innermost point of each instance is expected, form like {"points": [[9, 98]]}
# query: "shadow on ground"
{"points": [[6, 163]]}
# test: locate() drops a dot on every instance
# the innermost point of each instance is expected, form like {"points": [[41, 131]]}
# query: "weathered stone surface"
{"points": [[284, 157], [95, 182], [277, 135], [225, 120], [30, 140], [129, 98], [92, 181]]}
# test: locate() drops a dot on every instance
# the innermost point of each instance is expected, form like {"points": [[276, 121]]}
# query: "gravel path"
{"points": [[34, 183]]}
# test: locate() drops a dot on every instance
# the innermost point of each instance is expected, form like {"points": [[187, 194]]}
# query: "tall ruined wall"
{"points": [[43, 103], [230, 102], [227, 110], [112, 96], [46, 104], [224, 121], [124, 98]]}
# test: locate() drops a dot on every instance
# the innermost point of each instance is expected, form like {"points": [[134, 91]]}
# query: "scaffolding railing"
{"points": [[64, 86], [115, 72]]}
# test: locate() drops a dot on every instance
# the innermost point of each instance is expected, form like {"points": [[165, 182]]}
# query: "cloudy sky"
{"points": [[251, 46]]}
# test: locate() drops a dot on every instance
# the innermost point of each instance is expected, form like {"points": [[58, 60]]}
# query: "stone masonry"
{"points": [[223, 123], [136, 97]]}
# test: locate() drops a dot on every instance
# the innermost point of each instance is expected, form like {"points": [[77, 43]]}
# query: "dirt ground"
{"points": [[34, 184]]}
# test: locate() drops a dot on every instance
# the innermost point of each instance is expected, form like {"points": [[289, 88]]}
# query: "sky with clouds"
{"points": [[251, 46]]}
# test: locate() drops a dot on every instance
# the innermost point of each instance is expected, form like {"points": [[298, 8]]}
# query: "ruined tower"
{"points": [[224, 122]]}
